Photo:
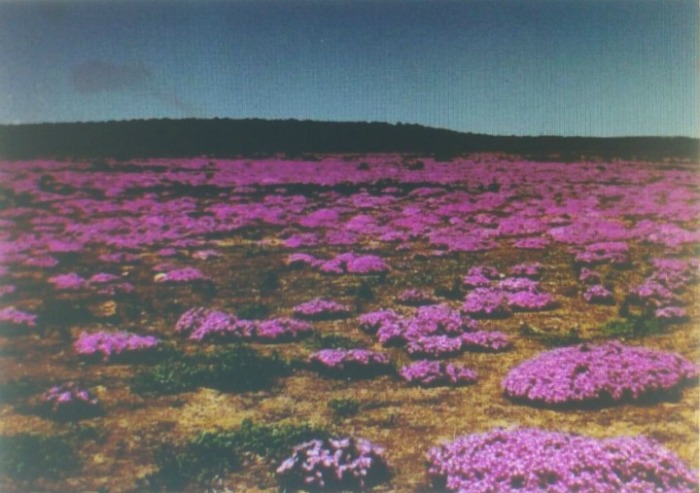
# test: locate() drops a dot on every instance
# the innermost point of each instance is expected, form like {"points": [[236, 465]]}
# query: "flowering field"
{"points": [[377, 321]]}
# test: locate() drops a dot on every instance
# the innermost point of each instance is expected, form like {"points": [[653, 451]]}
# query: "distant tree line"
{"points": [[252, 137]]}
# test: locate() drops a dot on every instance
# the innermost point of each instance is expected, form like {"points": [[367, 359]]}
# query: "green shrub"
{"points": [[632, 326], [212, 453], [330, 341], [27, 455], [344, 408], [238, 368]]}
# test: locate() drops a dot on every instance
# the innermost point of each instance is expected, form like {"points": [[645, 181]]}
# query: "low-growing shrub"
{"points": [[334, 464], [433, 373], [539, 460], [238, 368], [344, 408], [27, 455], [212, 453], [632, 326], [69, 402], [601, 374], [350, 363]]}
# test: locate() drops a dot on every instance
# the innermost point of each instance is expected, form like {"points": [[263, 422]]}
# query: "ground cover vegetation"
{"points": [[389, 322]]}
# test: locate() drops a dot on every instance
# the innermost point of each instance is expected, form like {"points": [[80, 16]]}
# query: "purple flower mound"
{"points": [[373, 321], [68, 402], [532, 270], [589, 276], [530, 459], [350, 362], [486, 302], [334, 464], [415, 297], [434, 346], [205, 323], [590, 374], [606, 252], [598, 294], [11, 316], [68, 282], [321, 309], [111, 344], [186, 274], [302, 259], [433, 373], [282, 329], [671, 314], [530, 301], [354, 264], [484, 340]]}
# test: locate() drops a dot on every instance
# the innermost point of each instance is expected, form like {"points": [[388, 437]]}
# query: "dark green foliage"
{"points": [[269, 283], [632, 326], [26, 456], [552, 339], [252, 311], [212, 453], [344, 408], [238, 368], [16, 389], [330, 341]]}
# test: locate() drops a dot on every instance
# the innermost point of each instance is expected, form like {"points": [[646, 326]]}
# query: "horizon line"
{"points": [[365, 122]]}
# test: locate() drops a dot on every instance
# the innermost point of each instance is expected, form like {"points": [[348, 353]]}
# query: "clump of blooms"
{"points": [[486, 302], [282, 329], [597, 373], [485, 340], [185, 274], [598, 294], [653, 293], [530, 459], [415, 297], [532, 270], [113, 344], [589, 276], [321, 309], [7, 289], [350, 362], [334, 464], [13, 317], [352, 263], [68, 282], [530, 301], [68, 401], [205, 323], [428, 373], [301, 259], [372, 321], [612, 252], [434, 331], [671, 314]]}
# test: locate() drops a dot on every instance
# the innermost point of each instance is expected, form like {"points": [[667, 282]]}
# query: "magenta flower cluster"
{"points": [[493, 295], [531, 459], [102, 283], [113, 344], [182, 275], [334, 465], [344, 263], [427, 373], [68, 401], [415, 297], [434, 331], [613, 252], [349, 361], [205, 324], [11, 316], [589, 373], [659, 291], [321, 309], [598, 293]]}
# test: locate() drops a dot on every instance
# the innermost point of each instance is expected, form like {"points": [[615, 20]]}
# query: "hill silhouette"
{"points": [[227, 138]]}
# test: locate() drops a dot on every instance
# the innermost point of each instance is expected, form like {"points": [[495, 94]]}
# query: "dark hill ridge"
{"points": [[227, 138]]}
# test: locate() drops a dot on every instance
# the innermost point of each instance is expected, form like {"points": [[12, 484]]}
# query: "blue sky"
{"points": [[507, 67]]}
